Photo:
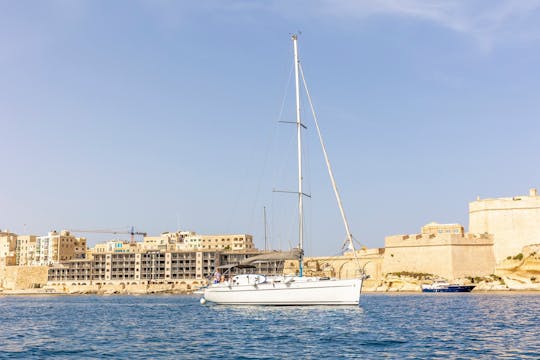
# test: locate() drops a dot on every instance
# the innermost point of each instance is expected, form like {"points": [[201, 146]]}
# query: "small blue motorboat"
{"points": [[443, 286]]}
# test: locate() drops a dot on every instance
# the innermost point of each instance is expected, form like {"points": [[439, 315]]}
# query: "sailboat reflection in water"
{"points": [[257, 289]]}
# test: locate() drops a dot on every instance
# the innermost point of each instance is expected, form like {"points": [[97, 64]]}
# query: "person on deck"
{"points": [[217, 276]]}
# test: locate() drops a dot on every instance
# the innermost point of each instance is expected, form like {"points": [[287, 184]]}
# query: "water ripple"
{"points": [[457, 326]]}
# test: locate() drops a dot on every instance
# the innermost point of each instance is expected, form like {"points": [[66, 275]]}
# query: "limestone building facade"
{"points": [[189, 240], [166, 241], [514, 222], [25, 250], [8, 244], [443, 250], [149, 267], [116, 246], [56, 247], [234, 242]]}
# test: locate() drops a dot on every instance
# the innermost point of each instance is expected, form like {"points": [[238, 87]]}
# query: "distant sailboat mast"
{"points": [[299, 143]]}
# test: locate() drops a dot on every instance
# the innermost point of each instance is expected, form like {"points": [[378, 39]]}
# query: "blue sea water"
{"points": [[396, 326]]}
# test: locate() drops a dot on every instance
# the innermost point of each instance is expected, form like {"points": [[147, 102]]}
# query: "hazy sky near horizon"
{"points": [[165, 114]]}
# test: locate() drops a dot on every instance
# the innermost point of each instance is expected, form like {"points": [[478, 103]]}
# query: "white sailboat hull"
{"points": [[291, 291]]}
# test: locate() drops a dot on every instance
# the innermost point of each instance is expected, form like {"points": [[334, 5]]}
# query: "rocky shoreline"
{"points": [[390, 284]]}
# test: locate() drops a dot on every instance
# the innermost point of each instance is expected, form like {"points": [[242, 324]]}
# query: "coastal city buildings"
{"points": [[499, 230], [56, 247], [189, 240], [167, 258], [151, 267]]}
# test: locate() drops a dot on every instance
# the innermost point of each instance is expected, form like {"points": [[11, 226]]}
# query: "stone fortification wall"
{"points": [[447, 255], [473, 259], [514, 222], [23, 277]]}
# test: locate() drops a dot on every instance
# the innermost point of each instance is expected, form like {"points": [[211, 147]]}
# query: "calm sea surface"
{"points": [[178, 327]]}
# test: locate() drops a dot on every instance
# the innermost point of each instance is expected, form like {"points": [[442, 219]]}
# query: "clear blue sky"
{"points": [[163, 114]]}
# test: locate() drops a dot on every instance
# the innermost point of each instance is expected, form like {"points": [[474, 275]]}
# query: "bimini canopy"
{"points": [[273, 256]]}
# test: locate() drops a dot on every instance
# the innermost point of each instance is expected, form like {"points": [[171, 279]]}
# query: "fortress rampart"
{"points": [[448, 255], [513, 221]]}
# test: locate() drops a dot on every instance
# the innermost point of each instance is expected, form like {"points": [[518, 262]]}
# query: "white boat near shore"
{"points": [[253, 289], [256, 289]]}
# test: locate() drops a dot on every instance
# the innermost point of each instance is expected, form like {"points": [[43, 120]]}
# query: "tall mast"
{"points": [[299, 141]]}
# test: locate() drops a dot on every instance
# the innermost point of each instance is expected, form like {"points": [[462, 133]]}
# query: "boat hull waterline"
{"points": [[294, 291]]}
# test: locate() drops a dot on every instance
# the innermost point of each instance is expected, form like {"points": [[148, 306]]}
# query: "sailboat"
{"points": [[257, 289]]}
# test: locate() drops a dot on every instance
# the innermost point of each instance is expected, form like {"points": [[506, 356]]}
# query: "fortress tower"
{"points": [[514, 222]]}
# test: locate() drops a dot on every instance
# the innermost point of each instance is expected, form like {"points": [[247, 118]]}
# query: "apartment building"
{"points": [[25, 250], [57, 247], [233, 242], [151, 267], [8, 244], [166, 241], [117, 246]]}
